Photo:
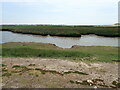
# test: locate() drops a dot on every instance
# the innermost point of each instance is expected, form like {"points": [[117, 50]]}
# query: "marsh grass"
{"points": [[62, 30], [50, 53], [77, 53]]}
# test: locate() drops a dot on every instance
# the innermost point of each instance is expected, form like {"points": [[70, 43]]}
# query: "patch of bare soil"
{"points": [[55, 73]]}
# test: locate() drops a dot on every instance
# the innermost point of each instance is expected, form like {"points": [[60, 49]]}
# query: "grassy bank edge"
{"points": [[62, 31], [50, 51]]}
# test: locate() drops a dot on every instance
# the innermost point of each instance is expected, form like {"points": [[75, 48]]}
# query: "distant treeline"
{"points": [[62, 30]]}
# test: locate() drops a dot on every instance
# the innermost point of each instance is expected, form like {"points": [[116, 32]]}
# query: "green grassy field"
{"points": [[77, 53], [57, 30]]}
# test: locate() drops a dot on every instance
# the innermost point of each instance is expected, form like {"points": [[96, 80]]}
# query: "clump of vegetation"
{"points": [[81, 82], [32, 65], [6, 74], [16, 71], [18, 66], [71, 81], [3, 65], [42, 71], [116, 84], [4, 70], [34, 72]]}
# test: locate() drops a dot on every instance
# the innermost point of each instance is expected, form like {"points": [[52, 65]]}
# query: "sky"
{"points": [[63, 12]]}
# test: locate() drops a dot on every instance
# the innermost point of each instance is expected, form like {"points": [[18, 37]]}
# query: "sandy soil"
{"points": [[99, 74]]}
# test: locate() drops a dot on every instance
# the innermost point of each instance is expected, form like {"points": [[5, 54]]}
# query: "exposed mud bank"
{"points": [[56, 73]]}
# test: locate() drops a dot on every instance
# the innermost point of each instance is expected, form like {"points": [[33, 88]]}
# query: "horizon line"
{"points": [[61, 24]]}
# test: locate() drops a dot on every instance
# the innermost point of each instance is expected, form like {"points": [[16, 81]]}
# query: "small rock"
{"points": [[78, 81], [89, 81], [95, 87]]}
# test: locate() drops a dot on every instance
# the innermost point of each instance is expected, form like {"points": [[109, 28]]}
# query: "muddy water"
{"points": [[64, 42]]}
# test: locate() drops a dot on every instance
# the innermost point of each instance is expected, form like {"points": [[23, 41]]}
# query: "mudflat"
{"points": [[20, 72]]}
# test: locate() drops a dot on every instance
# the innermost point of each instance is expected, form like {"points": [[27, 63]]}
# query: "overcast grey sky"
{"points": [[69, 12]]}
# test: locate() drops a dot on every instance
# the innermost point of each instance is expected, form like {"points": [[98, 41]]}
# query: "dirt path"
{"points": [[55, 73]]}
